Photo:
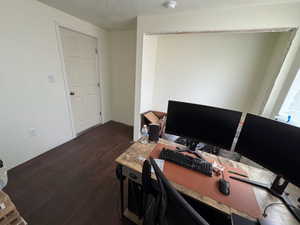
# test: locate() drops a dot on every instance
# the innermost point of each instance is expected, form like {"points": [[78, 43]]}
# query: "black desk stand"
{"points": [[277, 190]]}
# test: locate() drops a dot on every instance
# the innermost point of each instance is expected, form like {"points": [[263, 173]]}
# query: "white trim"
{"points": [[236, 31], [138, 85], [98, 66], [59, 25], [64, 73]]}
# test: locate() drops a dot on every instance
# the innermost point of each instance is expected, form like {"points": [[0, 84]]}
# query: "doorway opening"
{"points": [[80, 60]]}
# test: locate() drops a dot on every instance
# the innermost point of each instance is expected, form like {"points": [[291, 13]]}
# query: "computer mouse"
{"points": [[224, 186]]}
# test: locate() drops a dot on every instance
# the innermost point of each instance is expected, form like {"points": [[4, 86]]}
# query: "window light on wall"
{"points": [[290, 110]]}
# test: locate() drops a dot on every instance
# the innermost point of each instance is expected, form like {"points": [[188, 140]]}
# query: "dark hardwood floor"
{"points": [[73, 184]]}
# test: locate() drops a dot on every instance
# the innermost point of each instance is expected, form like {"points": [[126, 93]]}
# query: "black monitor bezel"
{"points": [[199, 139], [270, 168]]}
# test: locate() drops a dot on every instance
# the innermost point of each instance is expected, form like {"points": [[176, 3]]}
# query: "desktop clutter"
{"points": [[197, 163], [202, 174], [270, 143], [155, 121]]}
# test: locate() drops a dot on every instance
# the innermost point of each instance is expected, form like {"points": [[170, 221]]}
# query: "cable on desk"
{"points": [[272, 204], [268, 206]]}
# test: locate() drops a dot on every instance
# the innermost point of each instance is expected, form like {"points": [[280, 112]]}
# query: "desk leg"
{"points": [[121, 178], [122, 196]]}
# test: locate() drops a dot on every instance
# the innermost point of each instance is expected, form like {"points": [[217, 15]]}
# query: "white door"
{"points": [[80, 57]]}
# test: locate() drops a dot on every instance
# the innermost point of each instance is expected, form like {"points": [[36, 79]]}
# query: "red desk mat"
{"points": [[241, 198]]}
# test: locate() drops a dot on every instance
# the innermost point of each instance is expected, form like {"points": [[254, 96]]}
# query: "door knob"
{"points": [[72, 93]]}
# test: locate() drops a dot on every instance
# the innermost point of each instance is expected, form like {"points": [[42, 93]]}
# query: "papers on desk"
{"points": [[160, 163]]}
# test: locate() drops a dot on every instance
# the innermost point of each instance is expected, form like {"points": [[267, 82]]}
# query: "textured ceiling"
{"points": [[121, 14]]}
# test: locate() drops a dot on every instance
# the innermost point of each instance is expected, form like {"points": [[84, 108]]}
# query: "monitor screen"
{"points": [[207, 124], [272, 144]]}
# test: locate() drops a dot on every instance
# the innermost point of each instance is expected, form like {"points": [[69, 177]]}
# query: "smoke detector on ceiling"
{"points": [[170, 4]]}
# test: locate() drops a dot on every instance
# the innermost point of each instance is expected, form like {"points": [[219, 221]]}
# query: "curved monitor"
{"points": [[208, 124], [272, 144]]}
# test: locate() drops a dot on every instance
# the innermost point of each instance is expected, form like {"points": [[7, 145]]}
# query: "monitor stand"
{"points": [[191, 144], [276, 189]]}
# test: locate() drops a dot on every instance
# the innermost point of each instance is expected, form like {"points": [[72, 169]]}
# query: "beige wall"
{"points": [[222, 70], [29, 54], [288, 84], [243, 18], [123, 48], [279, 51], [149, 70]]}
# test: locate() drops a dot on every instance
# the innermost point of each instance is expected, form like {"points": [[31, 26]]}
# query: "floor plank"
{"points": [[73, 184]]}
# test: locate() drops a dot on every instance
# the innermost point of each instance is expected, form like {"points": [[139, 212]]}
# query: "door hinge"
{"points": [[96, 50], [98, 84], [100, 113]]}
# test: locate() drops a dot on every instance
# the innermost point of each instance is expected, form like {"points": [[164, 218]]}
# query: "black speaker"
{"points": [[154, 132]]}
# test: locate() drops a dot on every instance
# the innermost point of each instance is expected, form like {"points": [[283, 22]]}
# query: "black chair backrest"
{"points": [[172, 209]]}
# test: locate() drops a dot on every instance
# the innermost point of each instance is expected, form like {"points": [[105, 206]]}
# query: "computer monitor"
{"points": [[276, 146], [207, 124], [272, 144]]}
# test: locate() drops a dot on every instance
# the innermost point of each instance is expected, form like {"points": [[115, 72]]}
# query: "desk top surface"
{"points": [[135, 155]]}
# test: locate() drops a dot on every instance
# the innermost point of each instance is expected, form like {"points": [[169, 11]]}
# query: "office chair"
{"points": [[164, 205]]}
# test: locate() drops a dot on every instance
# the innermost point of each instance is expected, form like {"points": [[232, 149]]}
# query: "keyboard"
{"points": [[199, 165]]}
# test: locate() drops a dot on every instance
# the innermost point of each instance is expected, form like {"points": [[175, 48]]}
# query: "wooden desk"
{"points": [[132, 162]]}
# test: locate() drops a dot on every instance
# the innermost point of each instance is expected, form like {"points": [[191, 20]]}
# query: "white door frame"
{"points": [[59, 25], [139, 59]]}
